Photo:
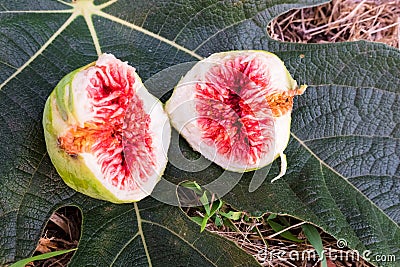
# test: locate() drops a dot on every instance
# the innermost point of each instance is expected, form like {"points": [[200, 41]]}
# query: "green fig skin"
{"points": [[70, 167], [82, 171]]}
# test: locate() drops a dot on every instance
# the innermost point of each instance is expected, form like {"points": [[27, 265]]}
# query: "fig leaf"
{"points": [[343, 156]]}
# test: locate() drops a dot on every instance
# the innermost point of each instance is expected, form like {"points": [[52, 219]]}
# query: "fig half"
{"points": [[235, 109], [106, 135]]}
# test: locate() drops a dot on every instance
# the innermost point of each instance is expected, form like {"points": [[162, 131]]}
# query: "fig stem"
{"points": [[283, 167]]}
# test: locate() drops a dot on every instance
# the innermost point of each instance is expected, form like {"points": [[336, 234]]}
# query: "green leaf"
{"points": [[315, 240], [197, 219], [169, 236], [209, 212], [45, 256], [278, 227], [218, 221], [206, 204], [343, 172], [204, 223], [233, 215], [216, 206], [193, 186]]}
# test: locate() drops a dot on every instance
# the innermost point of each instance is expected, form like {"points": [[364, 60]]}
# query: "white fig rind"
{"points": [[181, 108], [69, 106]]}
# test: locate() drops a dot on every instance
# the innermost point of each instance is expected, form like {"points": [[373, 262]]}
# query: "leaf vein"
{"points": [[123, 248], [140, 231], [327, 85], [147, 32], [61, 11], [106, 222], [192, 18], [184, 240], [92, 30], [336, 172], [45, 45], [218, 32], [350, 136]]}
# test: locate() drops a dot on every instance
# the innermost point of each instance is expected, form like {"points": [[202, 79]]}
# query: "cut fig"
{"points": [[235, 109], [106, 135]]}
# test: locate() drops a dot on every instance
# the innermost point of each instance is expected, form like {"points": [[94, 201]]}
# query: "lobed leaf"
{"points": [[343, 156]]}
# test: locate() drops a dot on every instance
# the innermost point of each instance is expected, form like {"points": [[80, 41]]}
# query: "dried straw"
{"points": [[341, 20]]}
